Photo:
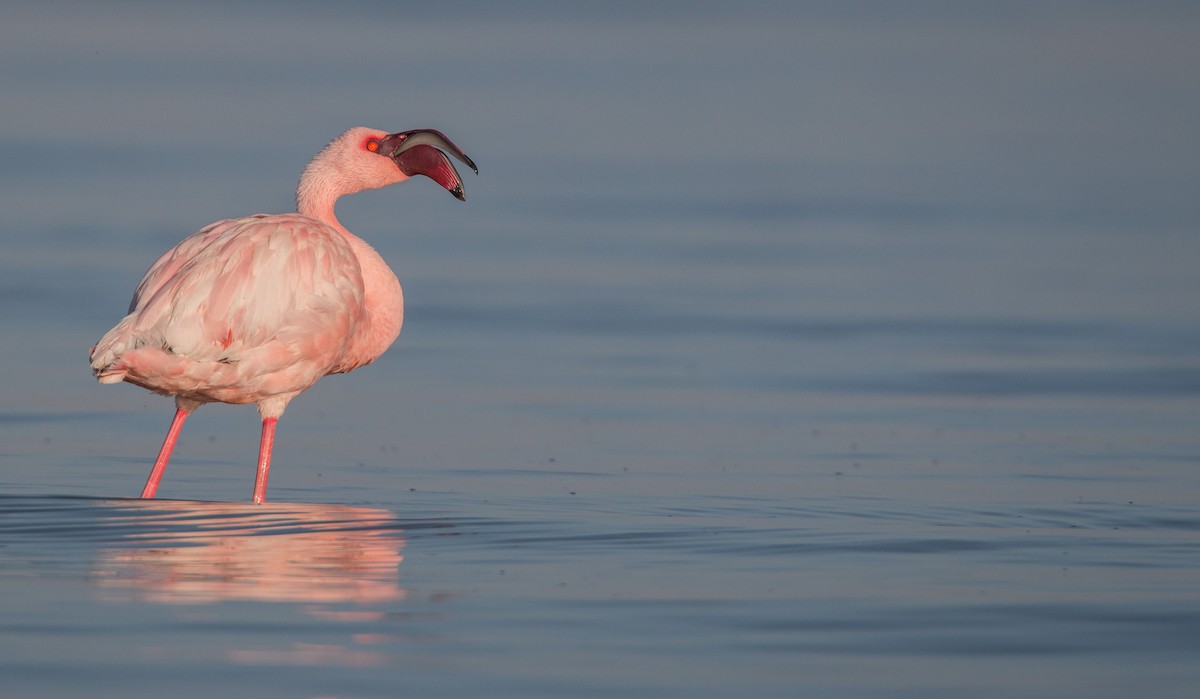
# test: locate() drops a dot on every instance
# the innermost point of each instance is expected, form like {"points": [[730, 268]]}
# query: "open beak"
{"points": [[420, 152]]}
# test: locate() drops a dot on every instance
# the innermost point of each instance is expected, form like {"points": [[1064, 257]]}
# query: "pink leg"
{"points": [[264, 458], [164, 454]]}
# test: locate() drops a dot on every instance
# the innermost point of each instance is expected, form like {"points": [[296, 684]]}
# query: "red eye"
{"points": [[372, 145]]}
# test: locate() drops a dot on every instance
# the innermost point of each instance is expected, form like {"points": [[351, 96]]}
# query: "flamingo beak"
{"points": [[420, 152]]}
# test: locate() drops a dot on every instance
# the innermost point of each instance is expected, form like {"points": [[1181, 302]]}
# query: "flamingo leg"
{"points": [[164, 454], [264, 458]]}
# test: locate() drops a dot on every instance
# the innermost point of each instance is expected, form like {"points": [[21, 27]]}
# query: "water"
{"points": [[833, 351]]}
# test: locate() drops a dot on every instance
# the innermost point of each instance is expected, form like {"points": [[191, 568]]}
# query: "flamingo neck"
{"points": [[315, 198], [383, 299]]}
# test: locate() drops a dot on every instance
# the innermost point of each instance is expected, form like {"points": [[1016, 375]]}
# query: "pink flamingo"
{"points": [[257, 309]]}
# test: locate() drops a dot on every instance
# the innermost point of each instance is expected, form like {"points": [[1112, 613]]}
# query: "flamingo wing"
{"points": [[242, 310]]}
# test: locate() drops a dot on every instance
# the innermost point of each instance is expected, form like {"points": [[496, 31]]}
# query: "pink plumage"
{"points": [[257, 309]]}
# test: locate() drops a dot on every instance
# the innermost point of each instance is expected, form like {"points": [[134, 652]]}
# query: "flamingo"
{"points": [[257, 309]]}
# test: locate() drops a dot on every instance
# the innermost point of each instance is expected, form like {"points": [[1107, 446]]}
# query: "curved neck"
{"points": [[383, 299], [316, 197]]}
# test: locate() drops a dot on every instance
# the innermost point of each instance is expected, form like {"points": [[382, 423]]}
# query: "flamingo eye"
{"points": [[372, 145]]}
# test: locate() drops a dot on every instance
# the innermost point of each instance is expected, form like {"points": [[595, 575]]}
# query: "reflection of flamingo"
{"points": [[194, 553], [256, 310]]}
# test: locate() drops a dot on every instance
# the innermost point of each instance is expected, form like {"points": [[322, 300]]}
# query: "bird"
{"points": [[257, 309]]}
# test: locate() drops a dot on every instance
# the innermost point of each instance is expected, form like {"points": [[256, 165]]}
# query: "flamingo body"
{"points": [[257, 309], [245, 311]]}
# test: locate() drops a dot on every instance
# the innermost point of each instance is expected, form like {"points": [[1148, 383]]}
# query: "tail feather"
{"points": [[105, 355], [113, 373]]}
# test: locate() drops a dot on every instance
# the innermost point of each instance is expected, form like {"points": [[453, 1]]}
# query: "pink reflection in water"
{"points": [[214, 552]]}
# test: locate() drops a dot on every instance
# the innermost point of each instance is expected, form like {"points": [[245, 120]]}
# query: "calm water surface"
{"points": [[776, 352]]}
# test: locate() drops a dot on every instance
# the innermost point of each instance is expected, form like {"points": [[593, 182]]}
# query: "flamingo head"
{"points": [[363, 158]]}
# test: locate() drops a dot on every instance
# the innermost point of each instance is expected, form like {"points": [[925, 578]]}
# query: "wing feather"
{"points": [[264, 304]]}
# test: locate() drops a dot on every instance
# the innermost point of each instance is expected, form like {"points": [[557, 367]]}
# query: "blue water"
{"points": [[826, 350]]}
